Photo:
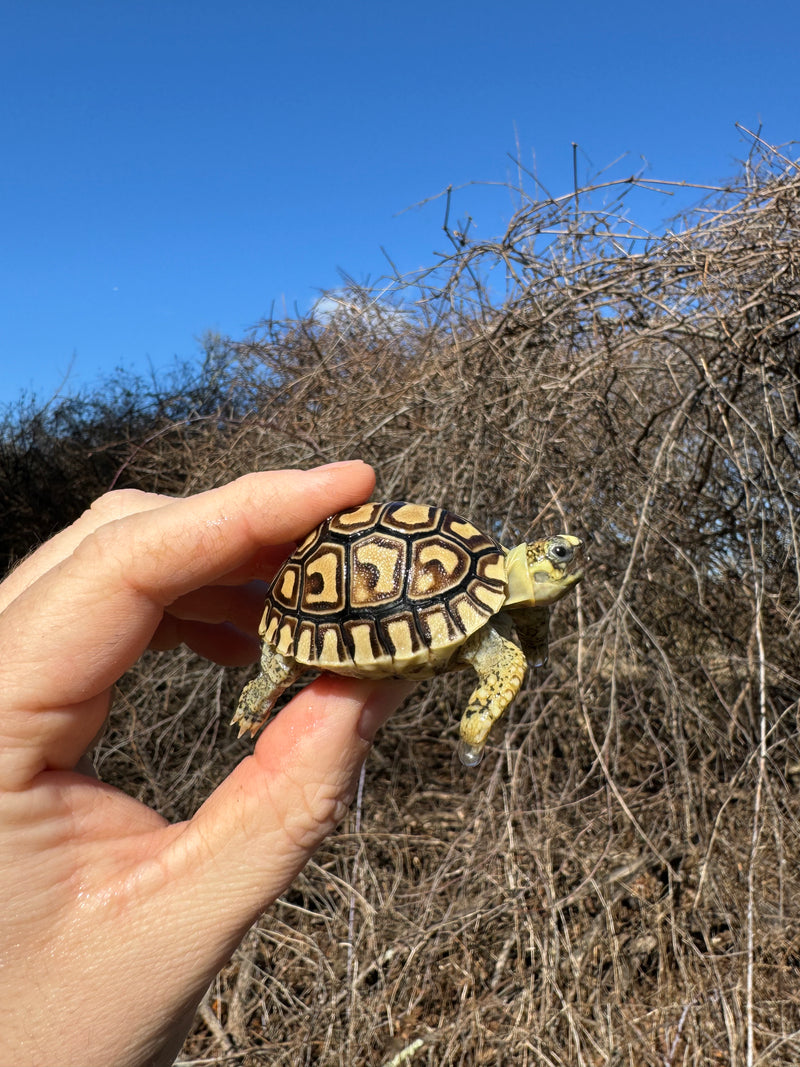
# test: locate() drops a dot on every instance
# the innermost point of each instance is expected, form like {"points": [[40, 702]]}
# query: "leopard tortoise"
{"points": [[407, 590]]}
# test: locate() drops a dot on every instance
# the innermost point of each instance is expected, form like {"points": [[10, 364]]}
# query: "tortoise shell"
{"points": [[383, 589]]}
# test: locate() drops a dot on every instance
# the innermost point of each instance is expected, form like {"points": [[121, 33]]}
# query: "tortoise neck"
{"points": [[520, 586]]}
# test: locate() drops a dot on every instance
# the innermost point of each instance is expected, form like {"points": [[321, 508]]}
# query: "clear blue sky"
{"points": [[172, 166]]}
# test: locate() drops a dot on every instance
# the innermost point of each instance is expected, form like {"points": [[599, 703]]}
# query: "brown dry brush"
{"points": [[618, 882]]}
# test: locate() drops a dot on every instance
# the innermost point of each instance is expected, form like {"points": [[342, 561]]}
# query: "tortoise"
{"points": [[392, 590]]}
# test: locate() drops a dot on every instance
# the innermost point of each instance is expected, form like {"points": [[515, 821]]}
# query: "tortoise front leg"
{"points": [[533, 630], [500, 667]]}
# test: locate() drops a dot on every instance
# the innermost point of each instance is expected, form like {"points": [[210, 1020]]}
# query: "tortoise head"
{"points": [[541, 572]]}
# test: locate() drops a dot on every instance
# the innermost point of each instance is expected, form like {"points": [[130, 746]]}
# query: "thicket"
{"points": [[618, 882]]}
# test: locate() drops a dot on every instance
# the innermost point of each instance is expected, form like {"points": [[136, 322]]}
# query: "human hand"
{"points": [[113, 922]]}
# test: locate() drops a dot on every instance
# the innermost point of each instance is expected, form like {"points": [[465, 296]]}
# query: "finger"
{"points": [[220, 533], [242, 605], [219, 623], [259, 828], [72, 633], [110, 506], [260, 566], [101, 606], [220, 643]]}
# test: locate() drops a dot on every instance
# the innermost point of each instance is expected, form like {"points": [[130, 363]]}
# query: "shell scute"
{"points": [[470, 613], [323, 580], [487, 596], [330, 644], [439, 630], [465, 532], [348, 522], [305, 644], [376, 573], [437, 566], [285, 637], [361, 637], [286, 592], [413, 518], [491, 570], [402, 639]]}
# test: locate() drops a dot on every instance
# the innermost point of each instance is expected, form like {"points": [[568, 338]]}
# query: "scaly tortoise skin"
{"points": [[404, 590]]}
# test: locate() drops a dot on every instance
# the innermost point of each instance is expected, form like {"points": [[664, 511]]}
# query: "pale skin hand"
{"points": [[113, 922]]}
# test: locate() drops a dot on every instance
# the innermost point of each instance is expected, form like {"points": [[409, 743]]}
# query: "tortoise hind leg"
{"points": [[501, 667], [259, 696]]}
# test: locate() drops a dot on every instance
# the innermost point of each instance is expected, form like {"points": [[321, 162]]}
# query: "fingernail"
{"points": [[385, 699]]}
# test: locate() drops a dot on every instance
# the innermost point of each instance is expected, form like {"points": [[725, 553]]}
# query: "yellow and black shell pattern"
{"points": [[385, 589]]}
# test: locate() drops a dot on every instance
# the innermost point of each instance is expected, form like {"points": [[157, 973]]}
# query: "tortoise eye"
{"points": [[561, 552]]}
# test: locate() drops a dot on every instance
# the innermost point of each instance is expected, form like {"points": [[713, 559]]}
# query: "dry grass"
{"points": [[618, 882]]}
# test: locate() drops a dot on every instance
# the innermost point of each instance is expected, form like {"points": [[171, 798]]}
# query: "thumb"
{"points": [[259, 828]]}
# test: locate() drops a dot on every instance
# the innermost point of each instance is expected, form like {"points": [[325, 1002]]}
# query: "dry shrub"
{"points": [[618, 882]]}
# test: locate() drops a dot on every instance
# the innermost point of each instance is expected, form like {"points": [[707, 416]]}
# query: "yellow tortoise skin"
{"points": [[399, 590]]}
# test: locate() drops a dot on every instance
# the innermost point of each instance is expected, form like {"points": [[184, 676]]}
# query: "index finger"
{"points": [[71, 634]]}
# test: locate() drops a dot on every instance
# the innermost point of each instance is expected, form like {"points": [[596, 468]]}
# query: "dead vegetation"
{"points": [[618, 882]]}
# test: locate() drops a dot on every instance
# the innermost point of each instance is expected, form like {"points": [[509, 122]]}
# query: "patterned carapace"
{"points": [[384, 587]]}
